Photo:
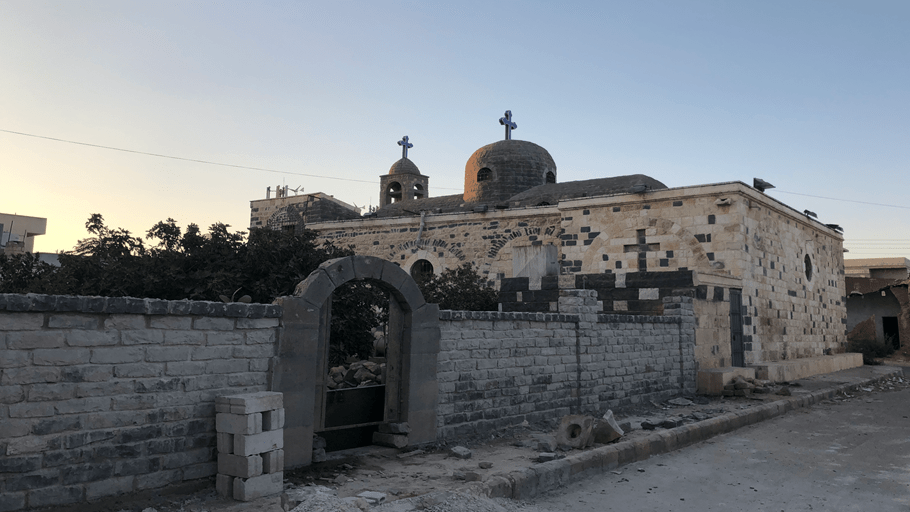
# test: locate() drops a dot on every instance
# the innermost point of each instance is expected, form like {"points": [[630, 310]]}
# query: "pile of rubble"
{"points": [[356, 373], [744, 386]]}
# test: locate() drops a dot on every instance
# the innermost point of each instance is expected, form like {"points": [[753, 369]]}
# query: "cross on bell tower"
{"points": [[507, 122], [404, 146]]}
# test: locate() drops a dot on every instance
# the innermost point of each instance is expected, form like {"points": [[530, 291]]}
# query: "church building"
{"points": [[767, 281]]}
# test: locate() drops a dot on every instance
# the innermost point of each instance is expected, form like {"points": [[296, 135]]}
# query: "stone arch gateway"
{"points": [[303, 345]]}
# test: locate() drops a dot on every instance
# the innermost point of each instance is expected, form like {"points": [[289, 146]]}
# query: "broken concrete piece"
{"points": [[473, 476], [485, 465], [319, 455], [543, 442], [372, 497], [680, 402], [607, 430], [546, 456], [461, 452], [575, 431], [784, 391]]}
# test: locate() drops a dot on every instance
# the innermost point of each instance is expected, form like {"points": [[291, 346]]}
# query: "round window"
{"points": [[421, 270]]}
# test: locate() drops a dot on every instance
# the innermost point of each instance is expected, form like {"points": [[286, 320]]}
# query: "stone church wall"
{"points": [[728, 236], [448, 240], [793, 309], [499, 369], [105, 396]]}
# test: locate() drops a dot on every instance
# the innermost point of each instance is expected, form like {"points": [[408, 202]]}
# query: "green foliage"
{"points": [[21, 273], [872, 349], [180, 265], [459, 289], [358, 307]]}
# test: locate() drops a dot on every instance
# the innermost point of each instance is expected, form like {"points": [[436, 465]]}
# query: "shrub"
{"points": [[872, 349]]}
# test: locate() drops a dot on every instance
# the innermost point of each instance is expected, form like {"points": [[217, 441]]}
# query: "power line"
{"points": [[845, 200], [208, 162]]}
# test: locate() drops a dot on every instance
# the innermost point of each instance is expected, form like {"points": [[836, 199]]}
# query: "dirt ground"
{"points": [[434, 470]]}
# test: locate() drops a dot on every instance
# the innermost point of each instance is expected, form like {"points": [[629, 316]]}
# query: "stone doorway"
{"points": [[300, 372]]}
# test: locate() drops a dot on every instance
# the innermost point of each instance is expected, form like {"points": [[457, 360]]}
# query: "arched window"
{"points": [[418, 191], [394, 192], [551, 177], [421, 270], [808, 261], [484, 174]]}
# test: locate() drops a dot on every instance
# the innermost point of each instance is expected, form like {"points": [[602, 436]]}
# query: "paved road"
{"points": [[843, 455]]}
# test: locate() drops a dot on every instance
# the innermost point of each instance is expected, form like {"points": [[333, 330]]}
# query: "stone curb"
{"points": [[541, 478]]}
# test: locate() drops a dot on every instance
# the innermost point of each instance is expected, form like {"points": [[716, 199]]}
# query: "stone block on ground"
{"points": [[248, 489], [543, 442], [224, 484], [393, 440], [461, 452], [575, 431]]}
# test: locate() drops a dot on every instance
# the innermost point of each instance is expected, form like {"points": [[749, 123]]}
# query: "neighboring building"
{"points": [[767, 280], [18, 232], [289, 211], [878, 268], [877, 289]]}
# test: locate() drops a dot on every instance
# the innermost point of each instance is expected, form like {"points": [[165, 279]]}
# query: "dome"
{"points": [[500, 170], [404, 166]]}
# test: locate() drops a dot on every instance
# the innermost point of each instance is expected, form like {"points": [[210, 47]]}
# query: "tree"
{"points": [[21, 273], [460, 288]]}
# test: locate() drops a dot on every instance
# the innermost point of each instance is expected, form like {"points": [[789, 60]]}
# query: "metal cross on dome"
{"points": [[507, 122], [404, 146]]}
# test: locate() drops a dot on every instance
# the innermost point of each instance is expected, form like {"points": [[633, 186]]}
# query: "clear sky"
{"points": [[812, 96]]}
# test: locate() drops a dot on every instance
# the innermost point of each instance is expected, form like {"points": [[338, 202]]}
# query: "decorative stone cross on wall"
{"points": [[404, 146], [507, 122], [642, 248]]}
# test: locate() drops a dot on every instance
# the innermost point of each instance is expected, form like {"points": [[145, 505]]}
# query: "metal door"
{"points": [[736, 327]]}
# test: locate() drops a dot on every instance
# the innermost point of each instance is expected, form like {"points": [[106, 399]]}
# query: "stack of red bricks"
{"points": [[250, 441]]}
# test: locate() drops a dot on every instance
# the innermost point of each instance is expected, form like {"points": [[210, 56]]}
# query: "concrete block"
{"points": [[252, 488], [393, 440], [238, 423], [256, 402], [713, 380], [273, 461], [224, 484], [258, 443], [225, 442], [273, 420], [236, 465]]}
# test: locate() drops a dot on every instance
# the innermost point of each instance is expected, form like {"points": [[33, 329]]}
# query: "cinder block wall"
{"points": [[103, 396], [499, 369]]}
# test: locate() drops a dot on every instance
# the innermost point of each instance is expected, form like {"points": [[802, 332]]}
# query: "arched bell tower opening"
{"points": [[404, 181], [410, 392]]}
